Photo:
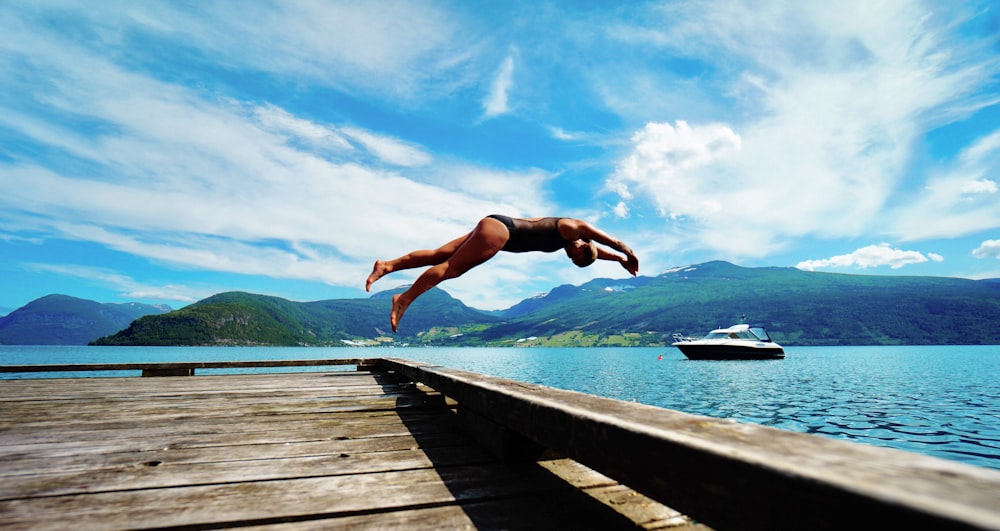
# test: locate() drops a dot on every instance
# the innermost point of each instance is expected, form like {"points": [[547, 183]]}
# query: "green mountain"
{"points": [[65, 320], [797, 307], [237, 318]]}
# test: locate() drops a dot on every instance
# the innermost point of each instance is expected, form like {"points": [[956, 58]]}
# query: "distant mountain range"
{"points": [[65, 320], [797, 307]]}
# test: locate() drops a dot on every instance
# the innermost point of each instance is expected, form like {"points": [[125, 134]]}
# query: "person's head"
{"points": [[582, 253]]}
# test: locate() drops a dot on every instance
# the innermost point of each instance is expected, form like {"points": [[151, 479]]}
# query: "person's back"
{"points": [[528, 235]]}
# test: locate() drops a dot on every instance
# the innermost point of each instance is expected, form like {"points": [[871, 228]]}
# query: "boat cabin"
{"points": [[747, 332]]}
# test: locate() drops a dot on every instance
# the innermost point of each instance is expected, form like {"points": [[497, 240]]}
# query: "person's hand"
{"points": [[631, 264]]}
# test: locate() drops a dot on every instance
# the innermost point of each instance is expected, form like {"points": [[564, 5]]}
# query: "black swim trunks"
{"points": [[527, 235]]}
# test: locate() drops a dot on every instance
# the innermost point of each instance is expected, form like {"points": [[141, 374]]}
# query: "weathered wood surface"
{"points": [[284, 451], [166, 367], [727, 474]]}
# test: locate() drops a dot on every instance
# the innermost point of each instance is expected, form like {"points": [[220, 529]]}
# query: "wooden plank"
{"points": [[72, 388], [311, 499], [156, 474], [71, 458], [764, 477], [220, 432], [179, 365], [239, 502], [156, 408], [97, 405], [637, 507]]}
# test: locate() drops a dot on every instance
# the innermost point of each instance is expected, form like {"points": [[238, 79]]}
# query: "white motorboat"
{"points": [[738, 342]]}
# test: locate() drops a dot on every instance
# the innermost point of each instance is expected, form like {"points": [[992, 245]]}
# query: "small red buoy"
{"points": [[660, 357]]}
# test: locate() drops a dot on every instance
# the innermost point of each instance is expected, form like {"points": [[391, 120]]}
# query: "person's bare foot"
{"points": [[398, 308], [378, 270]]}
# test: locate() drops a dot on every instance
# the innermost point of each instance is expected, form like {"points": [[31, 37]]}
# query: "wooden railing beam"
{"points": [[727, 474]]}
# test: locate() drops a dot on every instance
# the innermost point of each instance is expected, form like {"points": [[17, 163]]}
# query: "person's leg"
{"points": [[483, 243], [420, 258]]}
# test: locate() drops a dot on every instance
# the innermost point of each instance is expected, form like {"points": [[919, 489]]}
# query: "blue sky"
{"points": [[165, 151]]}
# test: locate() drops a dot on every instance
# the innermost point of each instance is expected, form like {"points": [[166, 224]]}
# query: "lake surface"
{"points": [[942, 401]]}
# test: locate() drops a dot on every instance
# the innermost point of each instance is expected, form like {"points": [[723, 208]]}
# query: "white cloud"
{"points": [[496, 102], [390, 150], [562, 134], [871, 256], [984, 150], [694, 176], [981, 186], [663, 161], [278, 120], [505, 189], [989, 248]]}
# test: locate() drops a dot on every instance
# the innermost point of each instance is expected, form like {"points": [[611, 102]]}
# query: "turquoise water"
{"points": [[937, 400]]}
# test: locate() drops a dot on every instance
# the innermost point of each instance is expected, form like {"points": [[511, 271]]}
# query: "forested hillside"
{"points": [[238, 318]]}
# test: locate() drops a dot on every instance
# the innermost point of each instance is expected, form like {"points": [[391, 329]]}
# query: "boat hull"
{"points": [[695, 351]]}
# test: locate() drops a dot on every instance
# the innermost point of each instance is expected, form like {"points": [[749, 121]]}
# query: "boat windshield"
{"points": [[759, 333], [724, 334]]}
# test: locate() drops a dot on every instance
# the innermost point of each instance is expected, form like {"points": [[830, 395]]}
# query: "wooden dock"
{"points": [[405, 445]]}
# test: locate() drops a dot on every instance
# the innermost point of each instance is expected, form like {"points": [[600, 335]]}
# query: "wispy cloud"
{"points": [[957, 198], [281, 121], [495, 103], [127, 286], [394, 48], [390, 150]]}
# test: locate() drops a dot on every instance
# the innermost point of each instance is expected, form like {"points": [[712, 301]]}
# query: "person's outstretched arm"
{"points": [[629, 261], [577, 229]]}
